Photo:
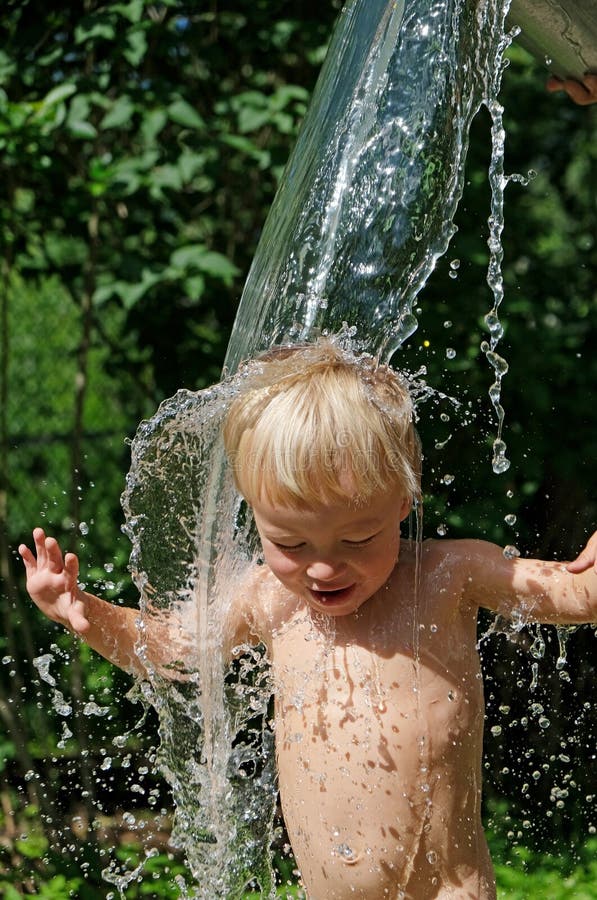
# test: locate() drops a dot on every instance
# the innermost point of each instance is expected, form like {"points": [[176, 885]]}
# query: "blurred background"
{"points": [[141, 145]]}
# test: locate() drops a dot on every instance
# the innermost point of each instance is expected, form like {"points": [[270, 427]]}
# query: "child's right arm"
{"points": [[52, 585]]}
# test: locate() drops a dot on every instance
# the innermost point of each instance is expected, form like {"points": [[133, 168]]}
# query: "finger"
{"points": [[582, 93], [578, 92], [55, 562], [28, 558], [554, 84], [71, 569], [578, 565], [590, 82], [583, 561], [39, 539]]}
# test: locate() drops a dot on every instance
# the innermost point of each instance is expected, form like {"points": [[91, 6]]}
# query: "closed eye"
{"points": [[288, 548], [361, 543]]}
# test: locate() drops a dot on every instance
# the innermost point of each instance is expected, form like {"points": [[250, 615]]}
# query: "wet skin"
{"points": [[379, 701], [379, 717]]}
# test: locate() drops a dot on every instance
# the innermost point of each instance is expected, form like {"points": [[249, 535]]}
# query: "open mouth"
{"points": [[334, 596]]}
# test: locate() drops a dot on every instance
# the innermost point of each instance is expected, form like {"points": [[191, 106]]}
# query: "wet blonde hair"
{"points": [[316, 423]]}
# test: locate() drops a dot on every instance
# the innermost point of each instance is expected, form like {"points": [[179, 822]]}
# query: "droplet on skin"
{"points": [[511, 552]]}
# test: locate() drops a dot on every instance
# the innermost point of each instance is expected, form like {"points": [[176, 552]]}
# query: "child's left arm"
{"points": [[534, 590]]}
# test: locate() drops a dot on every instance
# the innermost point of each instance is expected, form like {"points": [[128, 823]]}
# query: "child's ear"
{"points": [[405, 508]]}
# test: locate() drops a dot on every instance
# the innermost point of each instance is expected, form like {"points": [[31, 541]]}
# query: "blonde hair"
{"points": [[315, 423]]}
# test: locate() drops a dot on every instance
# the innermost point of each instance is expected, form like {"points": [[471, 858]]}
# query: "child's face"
{"points": [[333, 556]]}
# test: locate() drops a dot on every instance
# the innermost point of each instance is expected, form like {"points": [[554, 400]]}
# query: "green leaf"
{"points": [[197, 257], [189, 164], [166, 176], [7, 66], [152, 123], [252, 119], [183, 113], [186, 257], [84, 130], [129, 292], [137, 47], [131, 11], [77, 119], [288, 92], [58, 94], [219, 266], [92, 27], [120, 114], [194, 286]]}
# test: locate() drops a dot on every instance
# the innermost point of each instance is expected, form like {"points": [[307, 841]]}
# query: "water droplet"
{"points": [[431, 857], [448, 479], [496, 730], [92, 709], [442, 529], [511, 552], [447, 323], [510, 519], [84, 528], [455, 264], [345, 852], [450, 352], [499, 462]]}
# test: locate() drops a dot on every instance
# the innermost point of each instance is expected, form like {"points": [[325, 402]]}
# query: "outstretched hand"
{"points": [[586, 558], [582, 92], [52, 582]]}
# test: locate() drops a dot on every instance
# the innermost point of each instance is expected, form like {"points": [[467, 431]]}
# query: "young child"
{"points": [[372, 639]]}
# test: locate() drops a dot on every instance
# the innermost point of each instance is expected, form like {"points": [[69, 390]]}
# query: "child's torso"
{"points": [[378, 735]]}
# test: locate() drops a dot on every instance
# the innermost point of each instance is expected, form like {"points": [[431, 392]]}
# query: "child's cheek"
{"points": [[280, 563]]}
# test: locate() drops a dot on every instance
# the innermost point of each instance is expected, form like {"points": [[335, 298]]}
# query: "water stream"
{"points": [[364, 211]]}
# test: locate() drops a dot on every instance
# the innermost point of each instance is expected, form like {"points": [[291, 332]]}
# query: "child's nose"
{"points": [[325, 570]]}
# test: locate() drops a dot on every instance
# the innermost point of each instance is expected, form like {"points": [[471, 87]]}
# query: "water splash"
{"points": [[365, 209]]}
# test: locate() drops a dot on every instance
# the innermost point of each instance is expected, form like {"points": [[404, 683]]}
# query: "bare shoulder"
{"points": [[457, 555], [451, 571], [259, 603]]}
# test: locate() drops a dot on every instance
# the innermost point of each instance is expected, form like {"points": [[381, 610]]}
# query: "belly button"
{"points": [[346, 854]]}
